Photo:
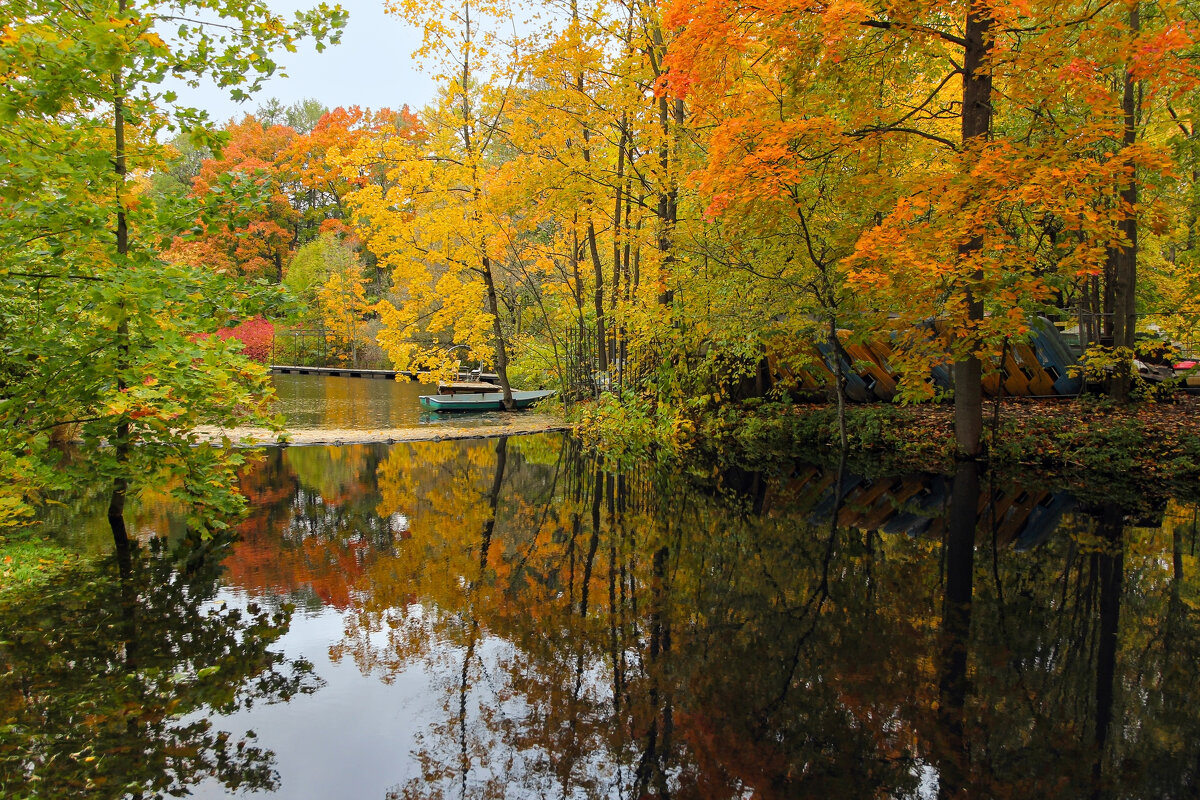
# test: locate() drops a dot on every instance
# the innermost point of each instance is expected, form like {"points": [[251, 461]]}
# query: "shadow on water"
{"points": [[509, 618]]}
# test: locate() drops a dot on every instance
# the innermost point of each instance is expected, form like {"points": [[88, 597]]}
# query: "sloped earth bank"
{"points": [[519, 424], [1086, 442]]}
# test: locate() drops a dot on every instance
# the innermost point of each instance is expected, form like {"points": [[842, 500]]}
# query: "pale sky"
{"points": [[372, 67]]}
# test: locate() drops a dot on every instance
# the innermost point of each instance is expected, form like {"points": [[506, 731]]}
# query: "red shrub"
{"points": [[255, 335]]}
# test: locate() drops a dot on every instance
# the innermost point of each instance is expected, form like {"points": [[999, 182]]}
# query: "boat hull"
{"points": [[480, 401]]}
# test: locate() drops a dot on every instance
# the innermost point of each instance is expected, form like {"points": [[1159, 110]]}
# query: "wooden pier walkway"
{"points": [[344, 372]]}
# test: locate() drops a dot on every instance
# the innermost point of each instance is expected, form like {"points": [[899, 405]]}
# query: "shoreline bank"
{"points": [[263, 437]]}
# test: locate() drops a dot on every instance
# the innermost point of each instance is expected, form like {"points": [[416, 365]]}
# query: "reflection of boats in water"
{"points": [[917, 505]]}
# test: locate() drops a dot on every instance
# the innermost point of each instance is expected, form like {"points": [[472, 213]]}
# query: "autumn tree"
{"points": [[315, 263], [301, 116], [103, 335], [983, 165], [435, 224], [247, 222], [588, 168], [319, 184], [343, 302]]}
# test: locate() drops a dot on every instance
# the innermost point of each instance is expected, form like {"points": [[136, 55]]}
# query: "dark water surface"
{"points": [[503, 618]]}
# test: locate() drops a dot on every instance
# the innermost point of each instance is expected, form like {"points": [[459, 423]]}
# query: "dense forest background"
{"points": [[671, 198]]}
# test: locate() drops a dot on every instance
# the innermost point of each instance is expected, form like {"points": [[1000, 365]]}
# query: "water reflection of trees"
{"points": [[107, 680], [719, 634], [312, 527], [662, 645]]}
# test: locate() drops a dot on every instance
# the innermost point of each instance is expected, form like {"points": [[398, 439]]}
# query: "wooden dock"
{"points": [[344, 372]]}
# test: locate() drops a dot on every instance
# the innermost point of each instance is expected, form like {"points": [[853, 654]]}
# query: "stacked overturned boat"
{"points": [[1045, 366]]}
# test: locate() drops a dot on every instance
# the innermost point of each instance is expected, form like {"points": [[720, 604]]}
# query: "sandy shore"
{"points": [[520, 424]]}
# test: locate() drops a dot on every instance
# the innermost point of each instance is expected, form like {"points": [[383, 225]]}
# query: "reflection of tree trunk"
{"points": [[129, 596], [577, 494], [128, 590], [1176, 610], [464, 756], [843, 453], [485, 544], [954, 637], [493, 499], [616, 606], [652, 768], [1111, 566], [116, 508], [570, 753], [593, 546], [815, 602]]}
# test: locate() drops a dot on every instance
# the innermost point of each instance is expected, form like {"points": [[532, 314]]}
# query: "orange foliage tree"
{"points": [[247, 224], [949, 160]]}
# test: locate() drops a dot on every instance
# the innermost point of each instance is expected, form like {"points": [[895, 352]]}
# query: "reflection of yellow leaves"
{"points": [[332, 472]]}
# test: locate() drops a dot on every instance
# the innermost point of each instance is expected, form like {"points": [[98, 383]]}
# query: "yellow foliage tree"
{"points": [[434, 222], [343, 301]]}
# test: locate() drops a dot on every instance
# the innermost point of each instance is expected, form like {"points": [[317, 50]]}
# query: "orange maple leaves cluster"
{"points": [[293, 191]]}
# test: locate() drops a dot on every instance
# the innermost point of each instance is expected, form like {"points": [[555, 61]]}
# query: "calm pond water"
{"points": [[504, 619], [314, 402]]}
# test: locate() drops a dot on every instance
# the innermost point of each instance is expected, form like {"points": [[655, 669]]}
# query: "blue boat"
{"points": [[481, 401], [1056, 357], [856, 388]]}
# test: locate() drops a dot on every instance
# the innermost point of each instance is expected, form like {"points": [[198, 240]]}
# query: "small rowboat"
{"points": [[480, 401], [465, 387]]}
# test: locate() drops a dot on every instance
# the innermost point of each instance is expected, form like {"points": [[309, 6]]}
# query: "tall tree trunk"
{"points": [[485, 265], [835, 347], [619, 238], [668, 207], [577, 286], [597, 268], [1124, 257], [120, 443], [976, 124], [498, 333], [671, 116]]}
